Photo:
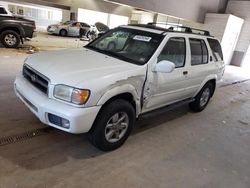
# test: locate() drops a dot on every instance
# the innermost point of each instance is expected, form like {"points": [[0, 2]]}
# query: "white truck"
{"points": [[103, 90]]}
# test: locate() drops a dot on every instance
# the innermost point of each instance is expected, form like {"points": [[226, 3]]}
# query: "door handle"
{"points": [[185, 72]]}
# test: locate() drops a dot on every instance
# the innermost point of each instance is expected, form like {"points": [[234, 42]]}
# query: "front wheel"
{"points": [[63, 33], [202, 99], [10, 39], [113, 125]]}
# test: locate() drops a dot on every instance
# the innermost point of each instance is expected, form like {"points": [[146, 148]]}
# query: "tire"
{"points": [[10, 39], [202, 98], [63, 33], [111, 46], [106, 134]]}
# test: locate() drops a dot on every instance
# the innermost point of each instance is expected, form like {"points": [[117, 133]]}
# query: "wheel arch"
{"points": [[213, 81], [126, 92], [12, 28], [63, 29], [209, 79]]}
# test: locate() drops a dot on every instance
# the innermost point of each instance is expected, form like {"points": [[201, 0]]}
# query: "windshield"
{"points": [[130, 45]]}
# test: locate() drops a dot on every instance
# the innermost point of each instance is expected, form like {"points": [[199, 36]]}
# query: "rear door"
{"points": [[201, 64]]}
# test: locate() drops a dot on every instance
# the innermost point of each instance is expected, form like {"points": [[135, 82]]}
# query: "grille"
{"points": [[36, 79]]}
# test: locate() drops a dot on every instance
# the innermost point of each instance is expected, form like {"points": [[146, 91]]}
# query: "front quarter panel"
{"points": [[130, 82], [132, 85]]}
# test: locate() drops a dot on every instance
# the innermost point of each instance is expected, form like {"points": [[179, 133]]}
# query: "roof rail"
{"points": [[149, 26], [174, 28], [183, 29]]}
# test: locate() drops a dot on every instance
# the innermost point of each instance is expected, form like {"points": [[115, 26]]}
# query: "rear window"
{"points": [[216, 49]]}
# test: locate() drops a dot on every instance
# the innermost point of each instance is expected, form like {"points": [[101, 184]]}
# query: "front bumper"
{"points": [[53, 31], [81, 119]]}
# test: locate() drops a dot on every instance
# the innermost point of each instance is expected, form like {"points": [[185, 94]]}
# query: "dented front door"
{"points": [[162, 89]]}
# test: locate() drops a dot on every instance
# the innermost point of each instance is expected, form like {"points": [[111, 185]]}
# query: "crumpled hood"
{"points": [[75, 67]]}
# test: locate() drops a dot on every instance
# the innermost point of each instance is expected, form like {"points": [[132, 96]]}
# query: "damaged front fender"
{"points": [[132, 85]]}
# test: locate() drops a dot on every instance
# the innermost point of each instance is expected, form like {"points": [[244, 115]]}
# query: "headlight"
{"points": [[70, 94], [52, 29]]}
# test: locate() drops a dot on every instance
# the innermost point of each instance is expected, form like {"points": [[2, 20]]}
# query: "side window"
{"points": [[199, 52], [204, 52], [174, 51], [216, 49], [2, 11]]}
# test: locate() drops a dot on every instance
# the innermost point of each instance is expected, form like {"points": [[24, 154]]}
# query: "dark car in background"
{"points": [[13, 28]]}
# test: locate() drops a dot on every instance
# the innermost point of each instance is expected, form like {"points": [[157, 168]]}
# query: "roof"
{"points": [[152, 27]]}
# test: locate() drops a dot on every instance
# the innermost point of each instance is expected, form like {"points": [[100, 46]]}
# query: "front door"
{"points": [[162, 89]]}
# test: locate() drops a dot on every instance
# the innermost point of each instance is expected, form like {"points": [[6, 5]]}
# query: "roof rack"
{"points": [[149, 26], [174, 28]]}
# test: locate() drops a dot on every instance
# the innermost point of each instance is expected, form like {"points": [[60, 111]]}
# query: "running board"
{"points": [[164, 109]]}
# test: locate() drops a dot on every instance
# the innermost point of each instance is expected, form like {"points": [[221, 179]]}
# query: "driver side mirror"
{"points": [[164, 66]]}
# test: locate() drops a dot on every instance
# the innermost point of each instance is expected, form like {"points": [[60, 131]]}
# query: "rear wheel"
{"points": [[10, 39], [202, 99], [113, 125]]}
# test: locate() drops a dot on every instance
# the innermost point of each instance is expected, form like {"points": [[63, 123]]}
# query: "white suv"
{"points": [[102, 90]]}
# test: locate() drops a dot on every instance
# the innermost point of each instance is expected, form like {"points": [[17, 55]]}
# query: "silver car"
{"points": [[69, 28]]}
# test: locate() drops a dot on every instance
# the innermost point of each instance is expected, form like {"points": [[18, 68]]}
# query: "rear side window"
{"points": [[199, 52], [174, 51], [216, 49], [2, 11]]}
